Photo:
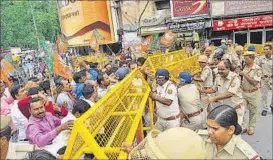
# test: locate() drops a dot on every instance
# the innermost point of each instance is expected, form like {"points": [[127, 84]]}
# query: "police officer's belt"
{"points": [[251, 90], [172, 117], [238, 107], [194, 114]]}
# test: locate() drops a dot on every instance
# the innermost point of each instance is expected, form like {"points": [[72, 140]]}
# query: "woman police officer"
{"points": [[222, 138]]}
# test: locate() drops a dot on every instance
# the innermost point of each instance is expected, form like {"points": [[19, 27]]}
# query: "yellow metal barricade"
{"points": [[111, 121], [188, 65], [259, 47], [159, 61]]}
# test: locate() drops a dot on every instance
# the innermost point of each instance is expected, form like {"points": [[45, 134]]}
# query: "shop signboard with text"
{"points": [[242, 23], [231, 7], [188, 8], [181, 27], [78, 20]]}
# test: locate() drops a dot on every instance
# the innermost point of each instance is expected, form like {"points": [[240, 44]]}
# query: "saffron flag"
{"points": [[62, 44], [6, 65], [61, 69], [146, 43], [4, 76], [94, 44], [168, 38]]}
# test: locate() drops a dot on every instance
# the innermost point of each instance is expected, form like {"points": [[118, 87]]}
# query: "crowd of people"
{"points": [[37, 117]]}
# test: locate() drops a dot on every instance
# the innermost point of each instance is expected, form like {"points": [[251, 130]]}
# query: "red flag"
{"points": [[60, 69]]}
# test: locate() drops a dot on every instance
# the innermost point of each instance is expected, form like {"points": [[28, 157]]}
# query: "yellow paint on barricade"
{"points": [[259, 47], [111, 121], [160, 61], [188, 65]]}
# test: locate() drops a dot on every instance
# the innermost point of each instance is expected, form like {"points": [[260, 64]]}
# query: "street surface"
{"points": [[262, 141]]}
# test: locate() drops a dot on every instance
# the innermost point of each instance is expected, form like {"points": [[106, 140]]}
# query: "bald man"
{"points": [[227, 89]]}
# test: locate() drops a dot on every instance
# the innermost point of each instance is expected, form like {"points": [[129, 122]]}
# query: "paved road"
{"points": [[262, 141]]}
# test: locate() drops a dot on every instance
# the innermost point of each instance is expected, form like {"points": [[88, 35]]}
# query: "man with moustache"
{"points": [[42, 126], [227, 89]]}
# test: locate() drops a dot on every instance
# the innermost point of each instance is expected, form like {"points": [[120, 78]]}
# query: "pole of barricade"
{"points": [[151, 112]]}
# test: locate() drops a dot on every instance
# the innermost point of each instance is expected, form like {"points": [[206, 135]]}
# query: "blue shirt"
{"points": [[63, 97], [94, 74], [78, 90]]}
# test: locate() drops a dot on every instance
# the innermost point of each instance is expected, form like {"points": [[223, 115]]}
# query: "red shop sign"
{"points": [[242, 23], [185, 8]]}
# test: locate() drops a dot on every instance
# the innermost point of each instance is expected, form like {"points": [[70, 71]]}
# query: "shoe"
{"points": [[264, 112], [250, 132], [244, 131]]}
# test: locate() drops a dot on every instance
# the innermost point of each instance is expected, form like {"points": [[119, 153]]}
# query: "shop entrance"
{"points": [[240, 38], [256, 36]]}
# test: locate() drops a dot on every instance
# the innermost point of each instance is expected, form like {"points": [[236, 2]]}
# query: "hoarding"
{"points": [[232, 7], [78, 20], [188, 8], [243, 23]]}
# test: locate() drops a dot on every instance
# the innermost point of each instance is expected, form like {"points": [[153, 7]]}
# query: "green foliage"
{"points": [[17, 26]]}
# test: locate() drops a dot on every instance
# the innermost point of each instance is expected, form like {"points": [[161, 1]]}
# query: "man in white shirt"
{"points": [[65, 96], [166, 99], [18, 92]]}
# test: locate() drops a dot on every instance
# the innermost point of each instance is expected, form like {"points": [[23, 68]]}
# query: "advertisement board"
{"points": [[242, 23], [219, 8], [188, 8], [78, 20]]}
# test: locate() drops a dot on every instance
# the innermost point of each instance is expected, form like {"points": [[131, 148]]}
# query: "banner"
{"points": [[187, 8], [168, 38], [79, 18], [242, 23]]}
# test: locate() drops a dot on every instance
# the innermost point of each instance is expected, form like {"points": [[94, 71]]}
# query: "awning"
{"points": [[153, 29]]}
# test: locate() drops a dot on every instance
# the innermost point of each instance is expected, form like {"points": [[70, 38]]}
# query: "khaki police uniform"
{"points": [[232, 58], [231, 84], [251, 94], [19, 150], [190, 103], [168, 116], [236, 148], [15, 150], [267, 68], [207, 77]]}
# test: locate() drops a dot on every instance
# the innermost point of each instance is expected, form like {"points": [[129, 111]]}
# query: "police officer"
{"points": [[11, 150], [190, 103], [206, 77], [221, 138], [251, 74], [166, 102], [266, 64], [239, 57], [227, 89]]}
